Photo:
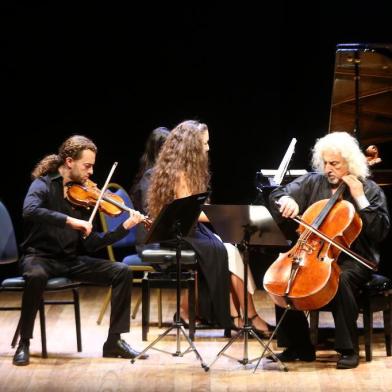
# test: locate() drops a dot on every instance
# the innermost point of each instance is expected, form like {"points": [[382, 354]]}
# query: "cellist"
{"points": [[336, 158]]}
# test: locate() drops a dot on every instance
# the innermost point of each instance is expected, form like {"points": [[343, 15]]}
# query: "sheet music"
{"points": [[285, 162], [290, 172]]}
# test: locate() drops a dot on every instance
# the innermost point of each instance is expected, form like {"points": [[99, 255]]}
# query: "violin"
{"points": [[87, 194], [307, 276]]}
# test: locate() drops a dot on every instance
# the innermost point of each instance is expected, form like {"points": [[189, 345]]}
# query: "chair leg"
{"points": [[159, 294], [104, 306], [368, 330], [16, 335], [191, 307], [43, 328], [77, 319], [145, 307], [314, 316], [136, 307], [388, 326]]}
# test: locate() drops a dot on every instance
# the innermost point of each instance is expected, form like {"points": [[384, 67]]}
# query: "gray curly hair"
{"points": [[347, 146]]}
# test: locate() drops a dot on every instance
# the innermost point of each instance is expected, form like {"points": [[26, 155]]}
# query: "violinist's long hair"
{"points": [[347, 146], [72, 147], [181, 155]]}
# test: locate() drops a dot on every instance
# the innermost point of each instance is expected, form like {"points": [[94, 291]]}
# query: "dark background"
{"points": [[257, 77]]}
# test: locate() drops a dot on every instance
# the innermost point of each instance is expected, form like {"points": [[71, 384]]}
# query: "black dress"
{"points": [[214, 276]]}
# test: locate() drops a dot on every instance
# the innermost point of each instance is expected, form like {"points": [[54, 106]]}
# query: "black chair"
{"points": [[375, 296], [165, 259], [8, 255]]}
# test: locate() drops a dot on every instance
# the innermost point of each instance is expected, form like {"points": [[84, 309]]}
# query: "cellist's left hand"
{"points": [[356, 186]]}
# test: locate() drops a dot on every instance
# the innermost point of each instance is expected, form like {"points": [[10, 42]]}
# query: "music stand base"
{"points": [[246, 332], [179, 328]]}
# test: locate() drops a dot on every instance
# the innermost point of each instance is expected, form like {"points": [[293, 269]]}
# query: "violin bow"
{"points": [[92, 216], [367, 263]]}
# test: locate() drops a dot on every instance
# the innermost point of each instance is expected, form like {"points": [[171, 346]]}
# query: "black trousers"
{"points": [[294, 330], [37, 270]]}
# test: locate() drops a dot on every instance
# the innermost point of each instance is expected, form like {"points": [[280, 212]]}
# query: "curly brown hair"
{"points": [[181, 155], [71, 147]]}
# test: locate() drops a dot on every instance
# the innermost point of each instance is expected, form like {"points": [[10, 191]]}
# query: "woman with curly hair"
{"points": [[181, 170]]}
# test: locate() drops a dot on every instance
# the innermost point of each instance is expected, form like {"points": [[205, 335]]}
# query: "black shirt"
{"points": [[45, 212]]}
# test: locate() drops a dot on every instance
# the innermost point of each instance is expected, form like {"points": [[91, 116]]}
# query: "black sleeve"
{"points": [[34, 205], [298, 189], [375, 217], [97, 240]]}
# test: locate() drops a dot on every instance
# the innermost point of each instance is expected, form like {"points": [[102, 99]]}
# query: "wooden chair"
{"points": [[126, 244]]}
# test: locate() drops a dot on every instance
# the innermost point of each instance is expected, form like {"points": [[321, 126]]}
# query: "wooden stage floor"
{"points": [[67, 370]]}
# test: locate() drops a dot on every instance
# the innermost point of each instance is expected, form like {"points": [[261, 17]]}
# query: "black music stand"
{"points": [[174, 222], [246, 225]]}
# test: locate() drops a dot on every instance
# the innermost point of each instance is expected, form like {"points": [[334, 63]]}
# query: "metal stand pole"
{"points": [[247, 329]]}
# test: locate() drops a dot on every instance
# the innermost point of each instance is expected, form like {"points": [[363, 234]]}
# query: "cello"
{"points": [[307, 276]]}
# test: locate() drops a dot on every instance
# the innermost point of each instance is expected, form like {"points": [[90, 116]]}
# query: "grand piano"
{"points": [[362, 102], [362, 105]]}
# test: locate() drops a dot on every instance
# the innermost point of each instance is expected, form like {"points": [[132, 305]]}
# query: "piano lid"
{"points": [[362, 96]]}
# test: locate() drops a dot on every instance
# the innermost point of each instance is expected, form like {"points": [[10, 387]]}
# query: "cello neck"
{"points": [[331, 202]]}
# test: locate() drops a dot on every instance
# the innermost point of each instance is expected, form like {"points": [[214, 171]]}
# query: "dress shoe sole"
{"points": [[116, 355], [346, 366], [21, 363]]}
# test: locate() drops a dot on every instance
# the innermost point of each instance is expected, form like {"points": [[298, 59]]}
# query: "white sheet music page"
{"points": [[285, 162]]}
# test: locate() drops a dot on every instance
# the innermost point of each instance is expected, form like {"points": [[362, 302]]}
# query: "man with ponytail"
{"points": [[58, 240]]}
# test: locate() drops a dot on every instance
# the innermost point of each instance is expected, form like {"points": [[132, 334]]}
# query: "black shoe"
{"points": [[348, 361], [120, 349], [292, 354], [271, 328], [22, 354], [260, 333]]}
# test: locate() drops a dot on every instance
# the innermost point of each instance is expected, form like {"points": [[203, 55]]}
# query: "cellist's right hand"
{"points": [[78, 224], [288, 207]]}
